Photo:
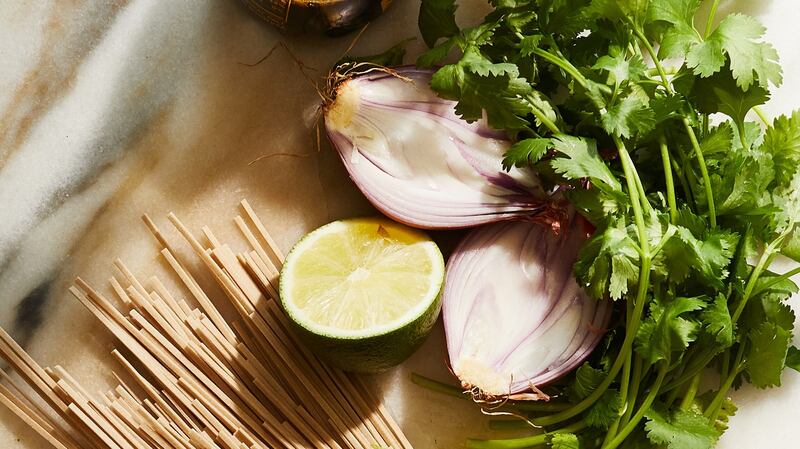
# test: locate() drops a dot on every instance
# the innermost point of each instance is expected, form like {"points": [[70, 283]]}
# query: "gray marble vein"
{"points": [[52, 184]]}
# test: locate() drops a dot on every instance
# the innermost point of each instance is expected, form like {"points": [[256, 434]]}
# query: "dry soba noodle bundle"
{"points": [[192, 380]]}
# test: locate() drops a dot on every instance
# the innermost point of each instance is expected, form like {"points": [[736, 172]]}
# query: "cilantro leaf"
{"points": [[766, 354], [717, 143], [753, 137], [608, 263], [720, 93], [526, 152], [563, 17], [545, 107], [474, 61], [478, 35], [684, 429], [620, 68], [726, 411], [436, 54], [596, 205], [793, 358], [582, 161], [631, 114], [786, 201], [605, 411], [619, 10], [665, 107], [791, 248], [751, 61], [706, 57], [777, 311], [500, 92], [437, 19], [708, 257], [681, 35], [717, 321], [782, 141], [586, 381], [741, 185], [691, 221], [667, 329], [675, 12], [529, 44], [563, 441], [678, 40], [770, 307]]}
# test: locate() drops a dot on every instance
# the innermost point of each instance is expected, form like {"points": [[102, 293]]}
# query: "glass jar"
{"points": [[333, 17]]}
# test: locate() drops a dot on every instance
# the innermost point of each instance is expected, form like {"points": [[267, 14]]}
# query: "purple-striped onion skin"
{"points": [[514, 315], [417, 161]]}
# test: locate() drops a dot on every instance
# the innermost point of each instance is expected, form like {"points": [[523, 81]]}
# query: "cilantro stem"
{"points": [[742, 135], [710, 20], [631, 177], [635, 384], [701, 161], [776, 280], [687, 191], [626, 369], [507, 424], [530, 406], [667, 71], [648, 401], [719, 399], [673, 207], [712, 212], [691, 371], [726, 364], [623, 394], [439, 387], [691, 392], [761, 265], [672, 394], [561, 63], [525, 442], [664, 239], [544, 119], [760, 113], [564, 65], [713, 408], [654, 56]]}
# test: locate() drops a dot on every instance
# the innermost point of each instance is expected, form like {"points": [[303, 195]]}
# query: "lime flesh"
{"points": [[363, 292]]}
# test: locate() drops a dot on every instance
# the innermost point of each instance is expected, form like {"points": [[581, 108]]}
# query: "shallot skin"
{"points": [[419, 163], [515, 318]]}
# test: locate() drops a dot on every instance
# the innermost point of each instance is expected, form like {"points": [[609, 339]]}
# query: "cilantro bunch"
{"points": [[641, 117]]}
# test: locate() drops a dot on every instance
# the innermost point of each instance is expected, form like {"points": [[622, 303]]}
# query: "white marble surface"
{"points": [[112, 108]]}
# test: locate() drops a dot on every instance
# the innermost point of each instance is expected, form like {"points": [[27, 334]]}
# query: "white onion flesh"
{"points": [[514, 315], [417, 161]]}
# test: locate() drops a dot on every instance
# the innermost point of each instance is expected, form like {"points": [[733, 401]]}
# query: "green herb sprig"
{"points": [[689, 216]]}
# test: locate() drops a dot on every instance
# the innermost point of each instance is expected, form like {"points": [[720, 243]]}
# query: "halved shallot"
{"points": [[417, 161], [514, 316]]}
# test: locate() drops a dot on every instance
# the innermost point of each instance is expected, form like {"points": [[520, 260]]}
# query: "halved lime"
{"points": [[363, 292]]}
